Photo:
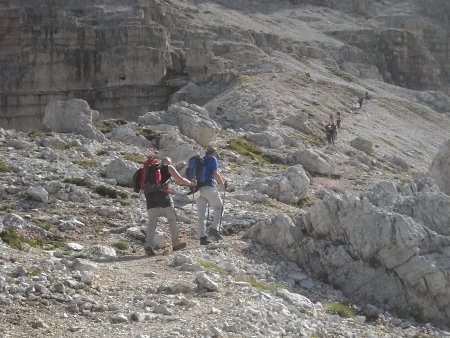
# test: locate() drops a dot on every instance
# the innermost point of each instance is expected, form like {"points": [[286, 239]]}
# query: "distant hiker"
{"points": [[338, 121], [209, 194], [331, 119], [328, 133], [156, 177], [206, 69], [360, 101], [333, 132], [367, 97]]}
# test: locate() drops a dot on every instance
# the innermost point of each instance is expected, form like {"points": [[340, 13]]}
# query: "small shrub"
{"points": [[121, 245], [5, 167], [80, 286], [250, 149], [245, 79], [211, 266], [101, 152], [342, 310], [87, 163], [80, 181], [339, 73], [148, 133], [133, 158], [36, 133], [304, 202], [105, 191], [16, 239]]}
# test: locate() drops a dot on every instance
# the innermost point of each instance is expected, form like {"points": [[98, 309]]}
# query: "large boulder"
{"points": [[72, 116], [363, 145], [193, 121], [440, 168], [395, 255], [266, 138], [289, 186], [314, 161], [122, 171], [128, 134], [299, 122]]}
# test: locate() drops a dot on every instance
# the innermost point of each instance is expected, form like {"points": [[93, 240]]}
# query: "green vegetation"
{"points": [[148, 133], [87, 163], [339, 73], [5, 167], [272, 287], [80, 286], [105, 191], [107, 126], [80, 181], [121, 245], [250, 149], [211, 266], [36, 133], [245, 79], [101, 152], [342, 310], [16, 238], [269, 203], [316, 138], [389, 143], [304, 202], [133, 158]]}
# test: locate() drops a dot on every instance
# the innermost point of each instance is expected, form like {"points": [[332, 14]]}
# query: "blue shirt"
{"points": [[211, 165]]}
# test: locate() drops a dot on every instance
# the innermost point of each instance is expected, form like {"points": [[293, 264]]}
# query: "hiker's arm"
{"points": [[218, 178], [178, 178]]}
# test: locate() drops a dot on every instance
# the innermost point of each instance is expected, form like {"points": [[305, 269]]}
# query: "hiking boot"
{"points": [[204, 241], [214, 234], [179, 246], [149, 252]]}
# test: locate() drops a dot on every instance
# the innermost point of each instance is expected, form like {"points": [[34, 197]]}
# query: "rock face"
{"points": [[390, 246], [440, 168], [130, 59]]}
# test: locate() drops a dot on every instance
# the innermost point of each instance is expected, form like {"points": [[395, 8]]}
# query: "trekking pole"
{"points": [[223, 206], [207, 217]]}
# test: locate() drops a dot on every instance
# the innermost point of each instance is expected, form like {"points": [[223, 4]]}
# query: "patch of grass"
{"points": [[389, 143], [339, 73], [245, 79], [101, 152], [316, 138], [87, 163], [304, 202], [15, 240], [80, 286], [250, 149], [80, 181], [5, 167], [148, 133], [272, 287], [107, 126], [46, 225], [342, 310], [36, 133], [207, 265], [123, 202], [133, 157], [105, 191], [121, 245]]}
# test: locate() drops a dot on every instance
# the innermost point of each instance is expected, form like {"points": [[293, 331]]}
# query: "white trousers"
{"points": [[212, 196]]}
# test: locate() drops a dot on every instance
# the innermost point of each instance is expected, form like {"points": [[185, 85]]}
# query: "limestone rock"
{"points": [[289, 186], [363, 145], [314, 161], [38, 193], [122, 171], [440, 168], [71, 116]]}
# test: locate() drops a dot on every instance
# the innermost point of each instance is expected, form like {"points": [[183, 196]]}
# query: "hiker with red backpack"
{"points": [[210, 195], [154, 181]]}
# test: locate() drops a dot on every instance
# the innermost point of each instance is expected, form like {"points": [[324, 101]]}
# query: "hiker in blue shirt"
{"points": [[209, 194]]}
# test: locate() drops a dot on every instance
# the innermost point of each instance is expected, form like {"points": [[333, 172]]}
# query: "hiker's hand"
{"points": [[193, 183]]}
